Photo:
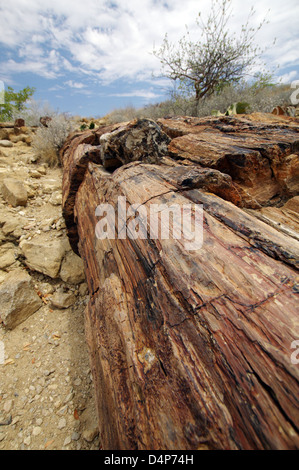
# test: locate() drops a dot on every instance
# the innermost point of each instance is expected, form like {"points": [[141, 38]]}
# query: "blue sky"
{"points": [[89, 57]]}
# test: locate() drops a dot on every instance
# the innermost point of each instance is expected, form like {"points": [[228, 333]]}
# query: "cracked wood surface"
{"points": [[189, 349]]}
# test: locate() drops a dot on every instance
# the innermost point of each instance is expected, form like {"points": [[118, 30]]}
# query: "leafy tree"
{"points": [[218, 58], [14, 102]]}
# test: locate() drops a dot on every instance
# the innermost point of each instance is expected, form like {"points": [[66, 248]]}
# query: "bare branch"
{"points": [[218, 58]]}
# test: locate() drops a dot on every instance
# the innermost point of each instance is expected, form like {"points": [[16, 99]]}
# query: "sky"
{"points": [[89, 57]]}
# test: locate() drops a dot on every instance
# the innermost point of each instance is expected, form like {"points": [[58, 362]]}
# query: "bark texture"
{"points": [[191, 349]]}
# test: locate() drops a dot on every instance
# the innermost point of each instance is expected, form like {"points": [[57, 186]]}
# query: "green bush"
{"points": [[14, 103]]}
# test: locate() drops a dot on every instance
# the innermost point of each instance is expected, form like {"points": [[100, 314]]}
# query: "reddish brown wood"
{"points": [[189, 350]]}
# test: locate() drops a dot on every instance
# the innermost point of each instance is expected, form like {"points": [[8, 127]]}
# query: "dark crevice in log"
{"points": [[258, 239], [269, 390]]}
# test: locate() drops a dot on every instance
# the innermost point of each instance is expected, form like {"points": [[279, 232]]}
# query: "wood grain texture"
{"points": [[189, 349]]}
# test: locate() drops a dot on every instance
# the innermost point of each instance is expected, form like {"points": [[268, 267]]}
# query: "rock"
{"points": [[45, 120], [61, 423], [19, 123], [6, 143], [76, 436], [90, 434], [51, 185], [2, 276], [140, 140], [12, 225], [7, 259], [62, 300], [72, 269], [42, 170], [27, 441], [4, 134], [8, 406], [44, 254], [83, 289], [36, 431], [14, 192], [56, 198], [7, 124], [18, 138], [34, 174], [18, 299], [67, 441]]}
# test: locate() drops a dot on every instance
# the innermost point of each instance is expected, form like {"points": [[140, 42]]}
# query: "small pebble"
{"points": [[61, 423]]}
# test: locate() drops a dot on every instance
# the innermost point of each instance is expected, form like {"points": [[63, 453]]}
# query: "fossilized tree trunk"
{"points": [[190, 349]]}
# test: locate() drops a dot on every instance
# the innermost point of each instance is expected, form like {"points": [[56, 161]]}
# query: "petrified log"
{"points": [[189, 349]]}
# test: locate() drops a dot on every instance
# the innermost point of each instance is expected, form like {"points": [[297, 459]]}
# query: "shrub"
{"points": [[48, 140], [121, 115], [257, 97], [260, 99], [33, 112]]}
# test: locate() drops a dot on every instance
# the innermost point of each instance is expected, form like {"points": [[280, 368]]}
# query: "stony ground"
{"points": [[46, 389]]}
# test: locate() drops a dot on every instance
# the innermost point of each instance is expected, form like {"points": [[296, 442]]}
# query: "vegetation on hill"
{"points": [[258, 97]]}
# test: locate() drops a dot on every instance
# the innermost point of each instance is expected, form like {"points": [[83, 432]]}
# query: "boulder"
{"points": [[51, 185], [19, 123], [14, 192], [45, 120], [56, 198], [18, 138], [44, 254], [18, 299], [6, 143], [4, 134], [12, 225], [72, 269], [62, 300], [7, 258], [141, 139]]}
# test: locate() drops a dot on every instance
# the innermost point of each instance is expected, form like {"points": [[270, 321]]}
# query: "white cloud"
{"points": [[289, 77], [147, 94], [72, 84], [106, 40]]}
